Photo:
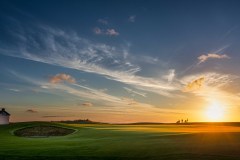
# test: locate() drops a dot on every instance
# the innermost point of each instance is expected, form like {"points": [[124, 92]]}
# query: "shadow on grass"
{"points": [[187, 156]]}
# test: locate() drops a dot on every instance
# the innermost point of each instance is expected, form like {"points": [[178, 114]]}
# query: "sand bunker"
{"points": [[43, 131]]}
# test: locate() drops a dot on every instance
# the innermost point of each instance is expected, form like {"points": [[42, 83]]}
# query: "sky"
{"points": [[120, 61]]}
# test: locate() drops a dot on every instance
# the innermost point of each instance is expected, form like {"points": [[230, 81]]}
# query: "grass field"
{"points": [[105, 141]]}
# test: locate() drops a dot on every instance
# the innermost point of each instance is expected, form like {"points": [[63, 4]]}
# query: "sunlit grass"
{"points": [[109, 141], [164, 128]]}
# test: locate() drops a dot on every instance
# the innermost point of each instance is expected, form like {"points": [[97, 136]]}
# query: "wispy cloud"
{"points": [[67, 49], [102, 21], [210, 79], [61, 77], [204, 58], [112, 32], [194, 85], [106, 102], [108, 32], [132, 18], [88, 104], [31, 111], [170, 76], [214, 54], [148, 59], [14, 90], [76, 90], [131, 91], [210, 85], [129, 101]]}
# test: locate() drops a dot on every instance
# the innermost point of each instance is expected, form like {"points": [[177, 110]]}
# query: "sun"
{"points": [[215, 112]]}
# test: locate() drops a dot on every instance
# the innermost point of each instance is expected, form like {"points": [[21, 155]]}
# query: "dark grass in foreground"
{"points": [[137, 142]]}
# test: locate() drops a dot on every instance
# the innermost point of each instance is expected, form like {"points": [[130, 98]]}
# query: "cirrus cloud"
{"points": [[67, 49], [133, 92]]}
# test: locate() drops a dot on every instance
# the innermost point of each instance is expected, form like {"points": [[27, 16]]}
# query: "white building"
{"points": [[4, 117]]}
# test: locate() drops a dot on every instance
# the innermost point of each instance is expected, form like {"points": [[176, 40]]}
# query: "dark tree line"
{"points": [[182, 121]]}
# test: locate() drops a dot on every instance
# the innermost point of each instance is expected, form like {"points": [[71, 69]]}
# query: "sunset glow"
{"points": [[120, 61], [215, 112]]}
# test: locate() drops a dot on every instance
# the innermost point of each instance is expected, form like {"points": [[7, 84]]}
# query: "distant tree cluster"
{"points": [[182, 121], [80, 121]]}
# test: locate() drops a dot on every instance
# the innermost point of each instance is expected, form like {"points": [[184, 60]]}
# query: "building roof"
{"points": [[4, 113]]}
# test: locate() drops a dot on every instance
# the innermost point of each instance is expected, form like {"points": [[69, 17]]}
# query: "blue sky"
{"points": [[119, 61]]}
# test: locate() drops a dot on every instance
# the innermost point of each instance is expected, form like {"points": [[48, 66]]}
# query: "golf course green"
{"points": [[208, 141]]}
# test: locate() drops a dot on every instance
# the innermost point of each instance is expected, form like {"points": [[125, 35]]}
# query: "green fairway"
{"points": [[105, 141]]}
